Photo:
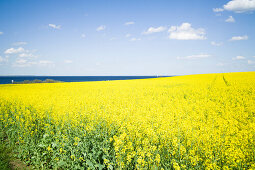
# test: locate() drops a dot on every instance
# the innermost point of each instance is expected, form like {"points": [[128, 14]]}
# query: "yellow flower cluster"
{"points": [[196, 121]]}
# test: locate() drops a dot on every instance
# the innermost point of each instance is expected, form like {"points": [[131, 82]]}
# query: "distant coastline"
{"points": [[36, 81], [30, 79]]}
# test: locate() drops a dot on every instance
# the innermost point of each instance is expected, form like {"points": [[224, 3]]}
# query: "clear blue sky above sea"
{"points": [[126, 37]]}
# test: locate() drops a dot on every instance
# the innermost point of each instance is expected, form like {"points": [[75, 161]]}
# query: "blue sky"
{"points": [[126, 37]]}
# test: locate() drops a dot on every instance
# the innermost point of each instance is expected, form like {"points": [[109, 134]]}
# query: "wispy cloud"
{"points": [[46, 63], [186, 32], [135, 39], [251, 62], [3, 59], [83, 35], [238, 38], [14, 51], [20, 62], [19, 43], [218, 9], [68, 61], [20, 52], [54, 26], [113, 38], [230, 19], [101, 28], [27, 55], [128, 35], [238, 58], [216, 44], [154, 30], [1, 33], [129, 23], [220, 64], [191, 57], [25, 58]]}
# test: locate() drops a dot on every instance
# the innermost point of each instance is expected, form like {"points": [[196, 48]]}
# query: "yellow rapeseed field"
{"points": [[184, 122]]}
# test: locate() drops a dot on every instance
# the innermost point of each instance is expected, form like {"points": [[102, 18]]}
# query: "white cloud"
{"points": [[129, 23], [27, 55], [21, 52], [135, 39], [2, 59], [1, 33], [83, 36], [218, 9], [154, 30], [55, 26], [220, 64], [14, 51], [45, 62], [23, 63], [101, 28], [238, 58], [68, 61], [251, 62], [216, 44], [128, 35], [240, 6], [230, 19], [113, 38], [199, 56], [25, 58], [19, 43], [237, 38], [186, 32]]}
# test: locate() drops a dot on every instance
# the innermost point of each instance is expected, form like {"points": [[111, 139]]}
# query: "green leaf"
{"points": [[45, 135], [110, 167], [42, 145], [53, 144], [90, 164], [61, 163]]}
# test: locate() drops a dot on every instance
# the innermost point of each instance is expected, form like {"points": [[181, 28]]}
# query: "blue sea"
{"points": [[8, 79]]}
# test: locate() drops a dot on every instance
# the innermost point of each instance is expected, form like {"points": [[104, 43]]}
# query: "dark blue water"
{"points": [[8, 79]]}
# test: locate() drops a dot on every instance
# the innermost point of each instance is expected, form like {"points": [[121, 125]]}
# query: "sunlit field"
{"points": [[196, 121]]}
